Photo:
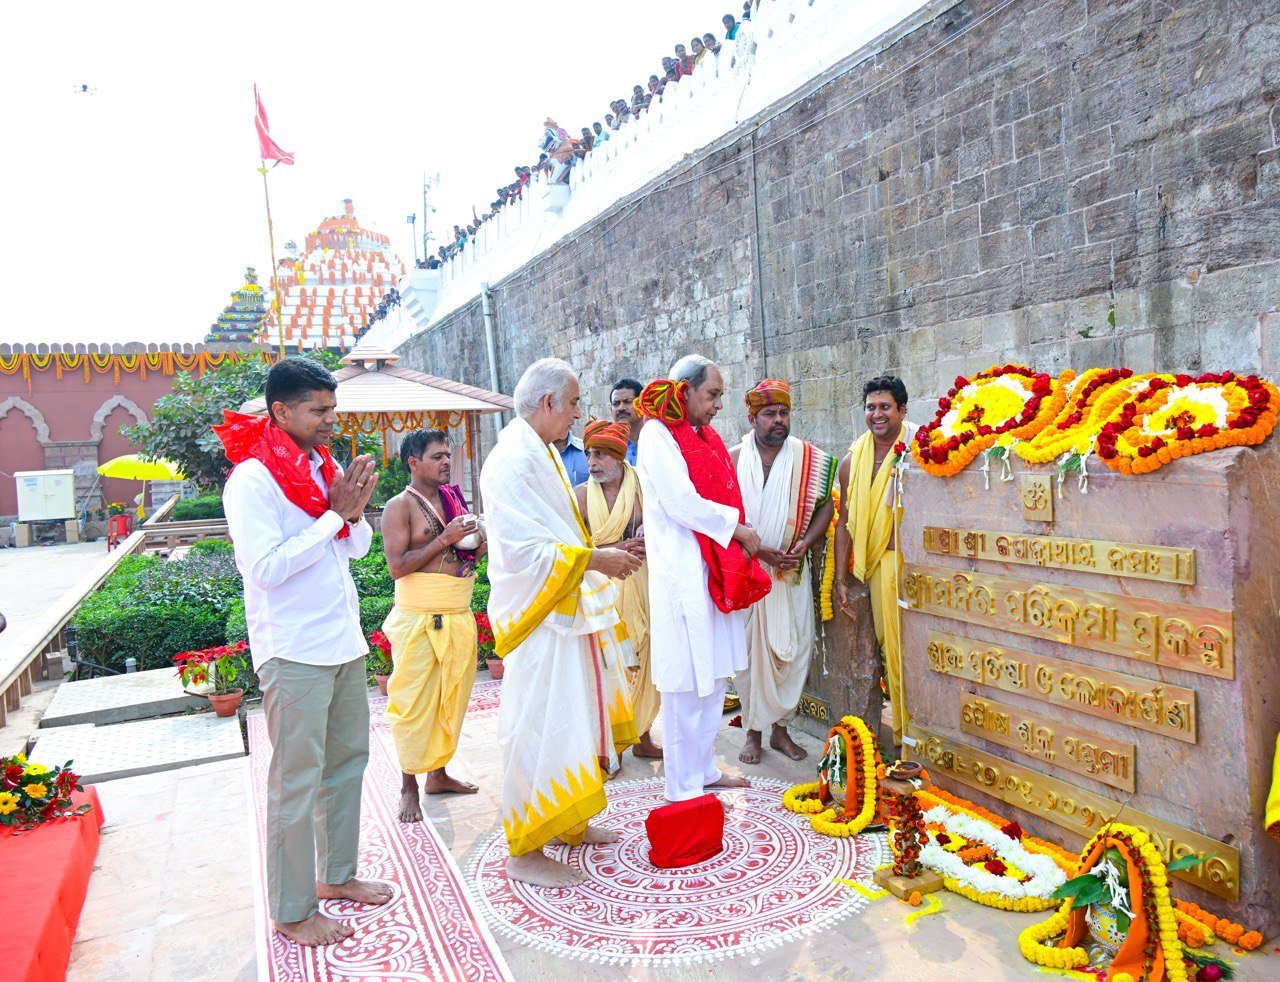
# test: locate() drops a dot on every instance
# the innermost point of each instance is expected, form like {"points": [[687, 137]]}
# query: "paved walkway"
{"points": [[31, 581]]}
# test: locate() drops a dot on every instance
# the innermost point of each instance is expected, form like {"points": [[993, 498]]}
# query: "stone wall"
{"points": [[1068, 183]]}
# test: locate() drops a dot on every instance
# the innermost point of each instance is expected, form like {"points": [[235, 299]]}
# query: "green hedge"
{"points": [[213, 545], [109, 630], [373, 611], [197, 507], [237, 625]]}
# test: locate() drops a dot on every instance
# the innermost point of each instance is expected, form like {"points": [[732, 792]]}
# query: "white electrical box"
{"points": [[45, 496]]}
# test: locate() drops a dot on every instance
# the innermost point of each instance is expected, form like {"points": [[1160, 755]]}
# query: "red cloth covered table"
{"points": [[45, 874]]}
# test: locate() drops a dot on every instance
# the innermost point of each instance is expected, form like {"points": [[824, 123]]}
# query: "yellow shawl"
{"points": [[870, 521], [608, 526], [1273, 799]]}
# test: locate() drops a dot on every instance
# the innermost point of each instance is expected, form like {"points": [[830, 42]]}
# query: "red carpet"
{"points": [[46, 873], [430, 930]]}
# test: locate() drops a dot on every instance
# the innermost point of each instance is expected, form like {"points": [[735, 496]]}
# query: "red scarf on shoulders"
{"points": [[257, 437], [735, 581]]}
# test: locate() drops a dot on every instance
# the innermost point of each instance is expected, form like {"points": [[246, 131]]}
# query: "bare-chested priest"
{"points": [[431, 628], [610, 502]]}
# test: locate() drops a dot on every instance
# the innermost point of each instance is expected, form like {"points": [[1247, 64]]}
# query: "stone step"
{"points": [[105, 753], [119, 699]]}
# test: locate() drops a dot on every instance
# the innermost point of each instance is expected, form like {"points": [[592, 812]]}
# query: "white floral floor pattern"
{"points": [[775, 882]]}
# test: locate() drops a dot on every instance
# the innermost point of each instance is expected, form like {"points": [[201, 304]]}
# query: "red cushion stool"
{"points": [[685, 832]]}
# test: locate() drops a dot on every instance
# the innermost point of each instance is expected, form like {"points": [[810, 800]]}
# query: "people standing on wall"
{"points": [[786, 492], [622, 400], [297, 521], [710, 43], [865, 539], [599, 133], [683, 63], [696, 53], [730, 27]]}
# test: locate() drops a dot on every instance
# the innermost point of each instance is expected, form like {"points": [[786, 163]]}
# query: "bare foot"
{"points": [[357, 891], [780, 740], [728, 782], [410, 810], [647, 748], [438, 782], [751, 750], [541, 870], [315, 931], [597, 836]]}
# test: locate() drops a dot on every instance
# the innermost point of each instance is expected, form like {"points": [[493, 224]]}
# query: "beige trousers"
{"points": [[318, 722]]}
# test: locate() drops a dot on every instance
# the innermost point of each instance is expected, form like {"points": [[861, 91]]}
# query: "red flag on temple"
{"points": [[268, 149]]}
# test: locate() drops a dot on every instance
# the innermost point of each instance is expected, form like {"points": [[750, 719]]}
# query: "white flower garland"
{"points": [[1044, 872]]}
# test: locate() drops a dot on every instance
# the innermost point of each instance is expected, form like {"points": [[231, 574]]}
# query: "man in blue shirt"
{"points": [[622, 400], [574, 458]]}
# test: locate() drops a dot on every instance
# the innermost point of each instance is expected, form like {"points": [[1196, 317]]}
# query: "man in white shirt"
{"points": [[296, 521], [695, 645]]}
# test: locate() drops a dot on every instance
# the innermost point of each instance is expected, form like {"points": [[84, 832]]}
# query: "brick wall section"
{"points": [[981, 190]]}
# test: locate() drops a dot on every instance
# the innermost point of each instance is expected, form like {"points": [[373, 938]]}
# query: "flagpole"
{"points": [[276, 306]]}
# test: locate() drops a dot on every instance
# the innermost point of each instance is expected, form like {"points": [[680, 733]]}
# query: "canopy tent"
{"points": [[376, 396]]}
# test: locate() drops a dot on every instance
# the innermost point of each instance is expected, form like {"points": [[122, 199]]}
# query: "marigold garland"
{"points": [[1031, 942], [862, 789], [1228, 931], [1067, 861], [1012, 402], [1094, 398], [1153, 892], [829, 561], [1182, 416]]}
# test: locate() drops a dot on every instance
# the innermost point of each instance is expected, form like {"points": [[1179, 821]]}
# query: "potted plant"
{"points": [[485, 642], [378, 661], [221, 666]]}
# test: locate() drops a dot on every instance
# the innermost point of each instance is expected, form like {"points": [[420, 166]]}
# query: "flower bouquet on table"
{"points": [[378, 662], [486, 644], [32, 794], [220, 667]]}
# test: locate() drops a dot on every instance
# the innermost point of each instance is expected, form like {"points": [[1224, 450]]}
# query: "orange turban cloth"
{"points": [[610, 438], [770, 392]]}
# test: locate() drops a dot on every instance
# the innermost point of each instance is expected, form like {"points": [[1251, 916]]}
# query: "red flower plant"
{"points": [[381, 642]]}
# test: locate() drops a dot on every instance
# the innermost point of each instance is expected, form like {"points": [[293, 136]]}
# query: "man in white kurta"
{"points": [[565, 706], [693, 646], [786, 493]]}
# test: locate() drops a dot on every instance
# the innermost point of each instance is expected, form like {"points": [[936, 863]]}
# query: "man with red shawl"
{"points": [[704, 574]]}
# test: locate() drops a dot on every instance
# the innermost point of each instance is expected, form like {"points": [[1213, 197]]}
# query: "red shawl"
{"points": [[244, 437], [735, 581]]}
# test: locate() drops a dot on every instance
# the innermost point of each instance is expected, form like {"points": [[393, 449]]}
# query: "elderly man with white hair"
{"points": [[703, 572], [565, 709]]}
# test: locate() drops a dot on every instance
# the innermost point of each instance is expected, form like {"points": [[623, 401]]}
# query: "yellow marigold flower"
{"points": [[34, 770], [36, 790], [8, 802]]}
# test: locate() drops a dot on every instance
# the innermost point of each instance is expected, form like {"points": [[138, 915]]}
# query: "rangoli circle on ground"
{"points": [[775, 881]]}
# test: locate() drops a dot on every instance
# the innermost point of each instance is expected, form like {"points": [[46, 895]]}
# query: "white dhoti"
{"points": [[690, 723], [780, 628]]}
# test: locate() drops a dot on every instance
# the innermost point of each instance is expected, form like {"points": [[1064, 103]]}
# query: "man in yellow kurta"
{"points": [[865, 533], [552, 604], [610, 502], [431, 628]]}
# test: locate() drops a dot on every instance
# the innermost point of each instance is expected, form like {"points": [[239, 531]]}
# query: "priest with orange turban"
{"points": [[611, 503], [786, 492]]}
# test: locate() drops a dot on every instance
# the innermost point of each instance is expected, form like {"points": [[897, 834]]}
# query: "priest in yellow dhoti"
{"points": [[611, 503], [786, 493], [865, 534], [432, 631], [552, 604]]}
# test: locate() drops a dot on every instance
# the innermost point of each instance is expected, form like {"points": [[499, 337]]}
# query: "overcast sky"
{"points": [[133, 210]]}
